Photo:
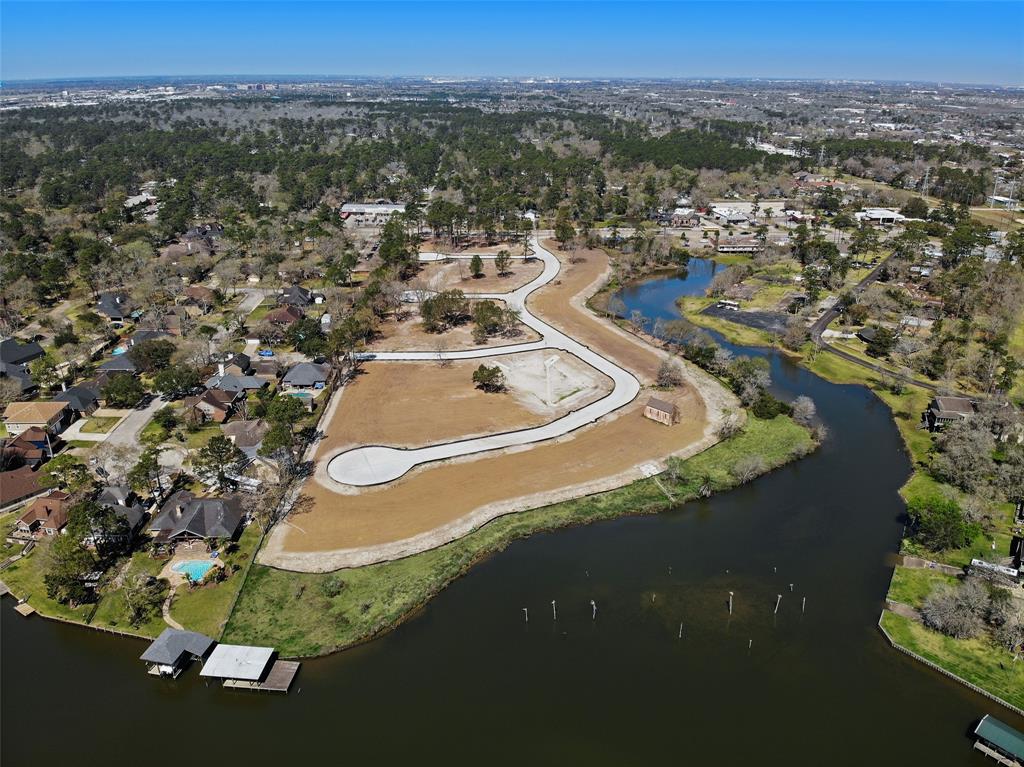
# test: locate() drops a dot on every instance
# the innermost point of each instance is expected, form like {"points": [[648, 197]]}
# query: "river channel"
{"points": [[663, 675]]}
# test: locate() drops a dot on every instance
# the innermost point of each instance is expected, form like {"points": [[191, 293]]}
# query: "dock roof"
{"points": [[232, 661], [1000, 735], [168, 648]]}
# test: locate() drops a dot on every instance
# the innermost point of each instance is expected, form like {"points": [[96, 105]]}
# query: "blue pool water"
{"points": [[196, 569]]}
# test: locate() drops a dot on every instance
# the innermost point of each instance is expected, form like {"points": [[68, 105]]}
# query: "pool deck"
{"points": [[191, 554]]}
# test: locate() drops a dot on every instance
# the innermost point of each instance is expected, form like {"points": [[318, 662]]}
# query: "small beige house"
{"points": [[53, 417], [661, 411]]}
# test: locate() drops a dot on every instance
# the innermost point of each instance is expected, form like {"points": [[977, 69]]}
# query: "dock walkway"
{"points": [[280, 678]]}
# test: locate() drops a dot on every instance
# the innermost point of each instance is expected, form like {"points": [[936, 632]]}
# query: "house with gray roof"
{"points": [[147, 334], [113, 305], [946, 410], [14, 359], [296, 295], [174, 649], [14, 352], [185, 516], [83, 398], [307, 375], [235, 383], [125, 505], [122, 363]]}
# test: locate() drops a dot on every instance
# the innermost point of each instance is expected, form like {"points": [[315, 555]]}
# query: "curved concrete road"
{"points": [[375, 464]]}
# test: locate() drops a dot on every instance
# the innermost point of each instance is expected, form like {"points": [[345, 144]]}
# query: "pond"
{"points": [[663, 674]]}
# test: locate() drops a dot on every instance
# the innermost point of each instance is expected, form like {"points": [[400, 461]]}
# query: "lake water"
{"points": [[466, 681]]}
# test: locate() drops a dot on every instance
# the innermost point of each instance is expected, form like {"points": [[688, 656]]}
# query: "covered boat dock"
{"points": [[250, 668], [999, 741], [174, 649]]}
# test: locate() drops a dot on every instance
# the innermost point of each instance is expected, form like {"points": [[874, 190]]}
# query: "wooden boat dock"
{"points": [[250, 668], [279, 679]]}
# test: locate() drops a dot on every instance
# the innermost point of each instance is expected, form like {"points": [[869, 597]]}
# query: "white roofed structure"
{"points": [[232, 661]]}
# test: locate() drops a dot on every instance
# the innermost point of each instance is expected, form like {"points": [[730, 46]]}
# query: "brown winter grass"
{"points": [[438, 494], [411, 404]]}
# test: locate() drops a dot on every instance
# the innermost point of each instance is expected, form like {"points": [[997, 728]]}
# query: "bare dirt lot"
{"points": [[441, 276], [439, 502], [409, 335], [411, 404]]}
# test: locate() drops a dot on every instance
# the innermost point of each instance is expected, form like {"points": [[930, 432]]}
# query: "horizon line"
{"points": [[6, 82]]}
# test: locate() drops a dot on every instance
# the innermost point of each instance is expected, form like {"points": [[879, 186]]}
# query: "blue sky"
{"points": [[974, 42]]}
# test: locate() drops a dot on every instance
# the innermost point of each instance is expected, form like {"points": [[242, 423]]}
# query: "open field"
{"points": [[452, 498], [410, 404], [317, 613], [439, 276]]}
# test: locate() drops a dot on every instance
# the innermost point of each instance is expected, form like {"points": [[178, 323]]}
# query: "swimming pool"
{"points": [[195, 569]]}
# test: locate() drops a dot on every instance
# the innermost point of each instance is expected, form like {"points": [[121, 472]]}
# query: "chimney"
{"points": [[63, 386], [220, 369], [178, 511]]}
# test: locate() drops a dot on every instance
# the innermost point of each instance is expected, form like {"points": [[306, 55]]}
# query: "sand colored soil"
{"points": [[438, 495], [440, 502], [442, 276], [411, 404], [409, 335], [572, 316]]}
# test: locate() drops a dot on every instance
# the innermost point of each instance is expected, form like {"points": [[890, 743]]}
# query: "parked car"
{"points": [[266, 352]]}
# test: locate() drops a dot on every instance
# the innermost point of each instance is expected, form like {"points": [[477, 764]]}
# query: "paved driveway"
{"points": [[129, 430]]}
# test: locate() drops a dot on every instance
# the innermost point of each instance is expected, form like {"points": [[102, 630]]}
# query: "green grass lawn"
{"points": [[911, 585], [25, 579], [733, 332], [153, 434], [112, 610], [6, 524], [198, 438], [205, 609], [99, 424], [261, 311], [312, 613], [977, 661]]}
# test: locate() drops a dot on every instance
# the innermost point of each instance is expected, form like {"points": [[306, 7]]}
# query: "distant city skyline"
{"points": [[965, 42]]}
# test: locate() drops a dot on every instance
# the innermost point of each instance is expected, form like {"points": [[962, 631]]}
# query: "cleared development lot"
{"points": [[410, 404], [439, 502]]}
